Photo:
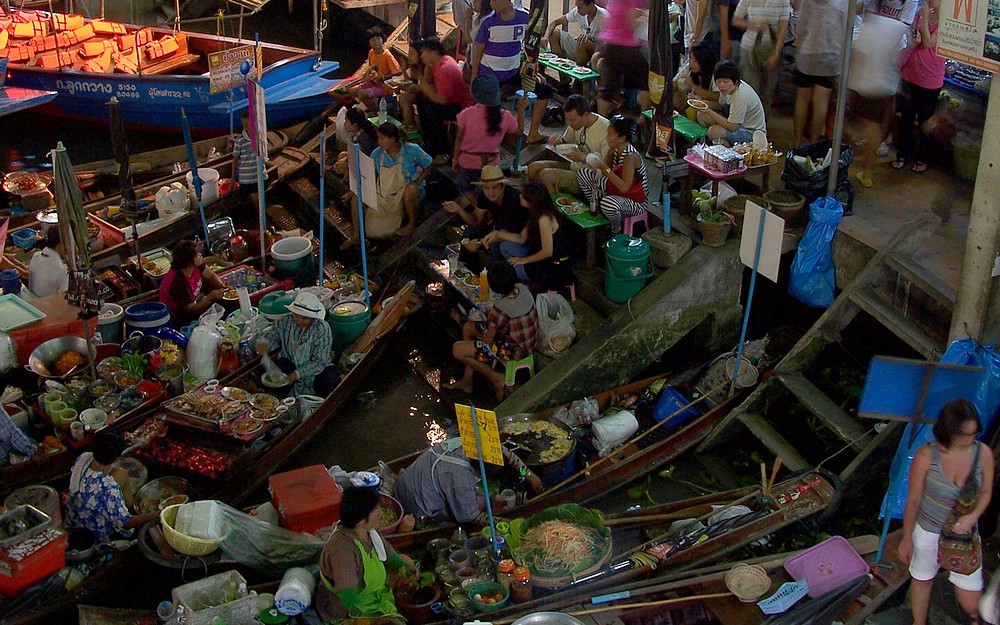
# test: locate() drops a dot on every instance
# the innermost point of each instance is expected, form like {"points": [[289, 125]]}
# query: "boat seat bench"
{"points": [[172, 63]]}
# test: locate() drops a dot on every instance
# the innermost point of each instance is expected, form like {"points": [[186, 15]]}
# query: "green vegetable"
{"points": [[570, 513]]}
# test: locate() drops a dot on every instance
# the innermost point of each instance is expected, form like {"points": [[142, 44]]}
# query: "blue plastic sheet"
{"points": [[812, 280], [985, 395]]}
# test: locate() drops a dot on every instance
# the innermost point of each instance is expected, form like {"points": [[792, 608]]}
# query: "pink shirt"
{"points": [[169, 291], [618, 29], [924, 68], [477, 140], [448, 81]]}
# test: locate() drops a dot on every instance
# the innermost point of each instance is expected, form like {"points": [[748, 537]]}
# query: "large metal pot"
{"points": [[44, 357], [547, 618], [528, 447], [142, 344]]}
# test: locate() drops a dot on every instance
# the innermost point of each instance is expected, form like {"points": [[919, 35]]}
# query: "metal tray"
{"points": [[15, 312], [37, 520]]}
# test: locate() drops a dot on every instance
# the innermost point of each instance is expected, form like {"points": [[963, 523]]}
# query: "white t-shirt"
{"points": [[47, 274], [594, 137], [745, 108], [902, 10], [709, 25], [769, 11], [587, 26]]}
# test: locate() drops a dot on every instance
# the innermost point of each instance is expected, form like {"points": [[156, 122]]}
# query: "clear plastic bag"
{"points": [[266, 547], [555, 323], [580, 412]]}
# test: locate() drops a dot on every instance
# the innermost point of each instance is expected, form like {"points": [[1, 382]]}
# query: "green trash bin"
{"points": [[626, 267]]}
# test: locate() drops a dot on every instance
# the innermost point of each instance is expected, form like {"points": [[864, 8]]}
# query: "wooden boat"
{"points": [[706, 587], [629, 463], [790, 501], [155, 72]]}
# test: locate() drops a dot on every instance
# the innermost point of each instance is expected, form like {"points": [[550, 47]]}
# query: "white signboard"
{"points": [[770, 245], [969, 32], [224, 68], [369, 193], [258, 118]]}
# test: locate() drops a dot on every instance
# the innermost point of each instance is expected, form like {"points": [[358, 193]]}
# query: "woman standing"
{"points": [[622, 62], [766, 22], [819, 45], [548, 265], [937, 476], [619, 185], [481, 130], [352, 566], [923, 77], [189, 288]]}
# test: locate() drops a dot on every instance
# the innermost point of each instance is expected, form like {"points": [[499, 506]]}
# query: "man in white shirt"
{"points": [[47, 273], [744, 113], [589, 18], [586, 132]]}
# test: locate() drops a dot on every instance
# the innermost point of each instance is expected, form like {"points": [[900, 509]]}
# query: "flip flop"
{"points": [[864, 178], [919, 167], [899, 164]]}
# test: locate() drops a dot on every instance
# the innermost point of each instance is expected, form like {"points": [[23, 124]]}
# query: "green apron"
{"points": [[375, 599]]}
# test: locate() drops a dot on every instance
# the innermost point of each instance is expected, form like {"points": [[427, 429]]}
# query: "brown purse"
{"points": [[962, 553]]}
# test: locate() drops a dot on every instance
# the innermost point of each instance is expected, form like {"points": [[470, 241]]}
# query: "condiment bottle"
{"points": [[505, 573], [521, 589], [459, 537], [484, 286], [229, 360]]}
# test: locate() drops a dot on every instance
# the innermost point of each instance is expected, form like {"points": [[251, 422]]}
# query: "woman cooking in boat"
{"points": [[99, 493], [189, 288], [305, 342], [354, 586]]}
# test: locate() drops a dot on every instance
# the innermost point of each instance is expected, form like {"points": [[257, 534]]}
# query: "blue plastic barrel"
{"points": [[146, 317]]}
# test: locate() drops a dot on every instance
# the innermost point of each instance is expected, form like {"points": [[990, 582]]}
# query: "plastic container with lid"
{"points": [[505, 573], [627, 267], [522, 587]]}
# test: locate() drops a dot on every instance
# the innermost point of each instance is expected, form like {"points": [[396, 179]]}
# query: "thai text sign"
{"points": [[969, 32], [225, 68], [489, 434]]}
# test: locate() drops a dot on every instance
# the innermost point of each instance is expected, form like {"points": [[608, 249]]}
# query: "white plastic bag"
{"points": [[580, 412], [725, 191], [612, 430], [201, 519], [555, 323], [8, 353], [202, 348]]}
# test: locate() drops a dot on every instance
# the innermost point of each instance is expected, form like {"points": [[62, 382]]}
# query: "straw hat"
{"points": [[307, 305], [491, 174]]}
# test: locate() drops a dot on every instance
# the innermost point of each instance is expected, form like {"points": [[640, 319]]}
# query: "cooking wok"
{"points": [[528, 447], [44, 357]]}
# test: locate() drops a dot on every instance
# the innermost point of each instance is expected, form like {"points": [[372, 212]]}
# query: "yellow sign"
{"points": [[489, 434], [225, 68]]}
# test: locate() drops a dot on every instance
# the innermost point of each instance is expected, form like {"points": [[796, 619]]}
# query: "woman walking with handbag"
{"points": [[950, 484]]}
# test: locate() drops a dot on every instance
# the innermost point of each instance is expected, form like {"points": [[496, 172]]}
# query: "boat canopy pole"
{"points": [[322, 200], [177, 15], [838, 124]]}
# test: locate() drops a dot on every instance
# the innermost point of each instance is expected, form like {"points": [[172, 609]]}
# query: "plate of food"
{"points": [[154, 268], [263, 415], [545, 56], [244, 427], [25, 182], [230, 294], [462, 273], [698, 105], [472, 281], [236, 394], [265, 402], [563, 149], [580, 69], [565, 201]]}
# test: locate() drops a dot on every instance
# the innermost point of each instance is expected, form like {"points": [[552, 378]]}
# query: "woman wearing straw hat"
{"points": [[481, 129], [305, 344]]}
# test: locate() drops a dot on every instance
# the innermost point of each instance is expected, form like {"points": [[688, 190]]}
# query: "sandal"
{"points": [[899, 164], [864, 178], [919, 167]]}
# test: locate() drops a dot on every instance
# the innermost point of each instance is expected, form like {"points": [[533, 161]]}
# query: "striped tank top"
{"points": [[940, 492]]}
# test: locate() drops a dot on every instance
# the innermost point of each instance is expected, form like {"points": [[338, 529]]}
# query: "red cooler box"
{"points": [[31, 561], [307, 499]]}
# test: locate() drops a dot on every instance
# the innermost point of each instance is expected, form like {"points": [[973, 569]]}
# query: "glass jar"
{"points": [[505, 573], [521, 589], [459, 537]]}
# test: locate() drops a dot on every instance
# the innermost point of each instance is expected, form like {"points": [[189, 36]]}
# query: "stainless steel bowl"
{"points": [[44, 357], [547, 618], [148, 498]]}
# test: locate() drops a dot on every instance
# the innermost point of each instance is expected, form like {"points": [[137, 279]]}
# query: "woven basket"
{"points": [[786, 204], [545, 581], [736, 206], [749, 582]]}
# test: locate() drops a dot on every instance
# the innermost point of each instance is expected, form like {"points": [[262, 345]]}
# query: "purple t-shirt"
{"points": [[504, 41]]}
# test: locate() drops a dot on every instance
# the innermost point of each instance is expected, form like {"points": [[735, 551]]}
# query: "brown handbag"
{"points": [[962, 553]]}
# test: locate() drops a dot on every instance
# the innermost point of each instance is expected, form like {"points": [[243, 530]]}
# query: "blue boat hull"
{"points": [[294, 92]]}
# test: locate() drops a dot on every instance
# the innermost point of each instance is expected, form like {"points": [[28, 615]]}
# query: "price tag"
{"points": [[489, 433]]}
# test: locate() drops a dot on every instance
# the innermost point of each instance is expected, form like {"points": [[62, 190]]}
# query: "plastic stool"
{"points": [[512, 367], [628, 223], [527, 113], [572, 292]]}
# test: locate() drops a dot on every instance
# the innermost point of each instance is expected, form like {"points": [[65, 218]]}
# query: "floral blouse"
{"points": [[99, 506]]}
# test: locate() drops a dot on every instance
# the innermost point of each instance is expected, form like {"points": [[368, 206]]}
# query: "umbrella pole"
{"points": [[322, 199], [361, 225]]}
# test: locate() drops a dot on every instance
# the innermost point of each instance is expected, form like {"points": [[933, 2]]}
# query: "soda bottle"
{"points": [[484, 286], [382, 111]]}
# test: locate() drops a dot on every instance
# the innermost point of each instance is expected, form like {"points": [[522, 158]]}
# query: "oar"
{"points": [[650, 604], [685, 513], [624, 445]]}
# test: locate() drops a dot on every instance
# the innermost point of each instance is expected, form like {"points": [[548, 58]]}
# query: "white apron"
{"points": [[387, 216]]}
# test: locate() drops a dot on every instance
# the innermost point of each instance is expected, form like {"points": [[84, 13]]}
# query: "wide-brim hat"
{"points": [[307, 305], [491, 174], [486, 90]]}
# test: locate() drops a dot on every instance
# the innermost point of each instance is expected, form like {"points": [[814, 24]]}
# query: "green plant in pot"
{"points": [[713, 223], [414, 595]]}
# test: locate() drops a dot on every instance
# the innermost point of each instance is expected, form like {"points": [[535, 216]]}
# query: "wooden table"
{"points": [[61, 319], [696, 165], [466, 292], [578, 214]]}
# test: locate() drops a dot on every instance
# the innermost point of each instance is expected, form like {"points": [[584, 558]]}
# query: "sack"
{"points": [[555, 323], [874, 69], [612, 430], [812, 184], [962, 553]]}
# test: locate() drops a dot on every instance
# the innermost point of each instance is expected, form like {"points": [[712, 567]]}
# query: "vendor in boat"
{"points": [[354, 586], [441, 484], [100, 494], [189, 288], [305, 344], [12, 440], [47, 273]]}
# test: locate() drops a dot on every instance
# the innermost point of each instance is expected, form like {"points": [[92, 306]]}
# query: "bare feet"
{"points": [[406, 230], [457, 385], [349, 243]]}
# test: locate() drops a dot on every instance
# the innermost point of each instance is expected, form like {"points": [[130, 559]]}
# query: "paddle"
{"points": [[684, 513]]}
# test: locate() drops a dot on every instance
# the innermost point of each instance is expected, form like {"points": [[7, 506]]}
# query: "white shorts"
{"points": [[924, 566]]}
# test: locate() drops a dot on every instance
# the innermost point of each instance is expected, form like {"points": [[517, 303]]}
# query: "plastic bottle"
{"points": [[505, 573], [593, 203], [521, 590], [199, 244], [383, 114], [484, 286]]}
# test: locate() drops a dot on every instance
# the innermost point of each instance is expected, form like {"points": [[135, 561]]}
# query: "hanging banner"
{"points": [[489, 434], [969, 32], [258, 118], [226, 68]]}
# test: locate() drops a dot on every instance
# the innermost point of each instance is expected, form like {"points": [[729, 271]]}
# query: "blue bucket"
{"points": [[672, 400], [146, 317], [25, 238]]}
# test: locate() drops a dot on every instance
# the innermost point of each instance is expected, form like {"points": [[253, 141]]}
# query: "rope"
{"points": [[846, 447]]}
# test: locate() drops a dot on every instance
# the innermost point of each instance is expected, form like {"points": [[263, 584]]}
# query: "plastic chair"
{"points": [[527, 114], [572, 291], [512, 366], [628, 223]]}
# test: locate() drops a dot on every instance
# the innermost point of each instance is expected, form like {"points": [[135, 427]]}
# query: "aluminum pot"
{"points": [[547, 618], [82, 544], [44, 357], [142, 344]]}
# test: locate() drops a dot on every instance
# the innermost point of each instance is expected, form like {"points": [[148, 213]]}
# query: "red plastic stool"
{"points": [[572, 292]]}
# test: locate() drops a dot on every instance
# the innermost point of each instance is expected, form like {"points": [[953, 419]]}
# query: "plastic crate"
{"points": [[36, 520], [826, 566], [32, 561], [203, 600], [307, 499], [788, 595]]}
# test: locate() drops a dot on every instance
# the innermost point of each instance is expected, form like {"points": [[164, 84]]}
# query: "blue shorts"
{"points": [[740, 135]]}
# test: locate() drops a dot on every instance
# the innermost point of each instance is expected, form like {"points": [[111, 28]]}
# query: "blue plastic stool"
{"points": [[527, 113]]}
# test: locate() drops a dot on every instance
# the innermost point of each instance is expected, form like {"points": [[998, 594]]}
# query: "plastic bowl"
{"points": [[182, 543], [490, 588], [94, 417], [25, 238], [385, 501]]}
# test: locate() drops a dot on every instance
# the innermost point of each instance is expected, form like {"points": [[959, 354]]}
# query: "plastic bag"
{"points": [[726, 191], [812, 184], [202, 348], [555, 323], [812, 280], [8, 353], [580, 412], [612, 430], [263, 546]]}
